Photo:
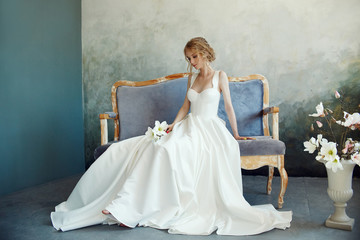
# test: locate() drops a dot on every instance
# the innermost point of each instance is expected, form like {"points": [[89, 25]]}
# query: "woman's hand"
{"points": [[237, 137], [170, 127], [244, 138]]}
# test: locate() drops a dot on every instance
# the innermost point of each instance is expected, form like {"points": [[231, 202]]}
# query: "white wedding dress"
{"points": [[188, 182]]}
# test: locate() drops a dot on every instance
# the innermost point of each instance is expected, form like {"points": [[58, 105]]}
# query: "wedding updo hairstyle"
{"points": [[201, 46]]}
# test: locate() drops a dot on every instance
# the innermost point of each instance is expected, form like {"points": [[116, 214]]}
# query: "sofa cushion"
{"points": [[262, 145]]}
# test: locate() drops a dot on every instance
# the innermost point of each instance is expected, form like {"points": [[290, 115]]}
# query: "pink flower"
{"points": [[337, 94], [319, 124], [350, 146], [356, 158], [347, 146]]}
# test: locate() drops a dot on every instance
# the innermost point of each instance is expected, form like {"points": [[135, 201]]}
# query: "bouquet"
{"points": [[341, 148], [158, 131]]}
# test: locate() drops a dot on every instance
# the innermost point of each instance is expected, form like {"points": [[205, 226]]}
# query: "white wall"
{"points": [[305, 48]]}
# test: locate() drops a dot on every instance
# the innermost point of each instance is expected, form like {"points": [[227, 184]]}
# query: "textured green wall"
{"points": [[41, 123], [296, 125], [306, 49]]}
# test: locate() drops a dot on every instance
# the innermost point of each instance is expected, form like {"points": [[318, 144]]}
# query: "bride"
{"points": [[188, 182]]}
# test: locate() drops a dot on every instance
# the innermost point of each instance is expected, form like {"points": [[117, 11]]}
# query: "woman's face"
{"points": [[195, 59]]}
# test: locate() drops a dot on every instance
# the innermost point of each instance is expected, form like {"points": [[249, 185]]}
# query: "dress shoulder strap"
{"points": [[216, 79]]}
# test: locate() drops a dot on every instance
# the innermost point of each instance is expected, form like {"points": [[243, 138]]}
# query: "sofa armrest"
{"points": [[269, 110], [275, 120], [103, 125]]}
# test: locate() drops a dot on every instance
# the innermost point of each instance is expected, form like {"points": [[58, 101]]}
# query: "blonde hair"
{"points": [[201, 46]]}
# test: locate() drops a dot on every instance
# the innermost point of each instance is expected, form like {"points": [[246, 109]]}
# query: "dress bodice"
{"points": [[205, 104]]}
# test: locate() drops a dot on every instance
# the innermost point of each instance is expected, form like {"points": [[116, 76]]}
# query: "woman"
{"points": [[189, 182]]}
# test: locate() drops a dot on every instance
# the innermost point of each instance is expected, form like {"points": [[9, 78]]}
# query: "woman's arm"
{"points": [[183, 110], [224, 87]]}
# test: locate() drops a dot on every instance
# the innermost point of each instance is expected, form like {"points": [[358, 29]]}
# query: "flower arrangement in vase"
{"points": [[340, 148], [339, 154]]}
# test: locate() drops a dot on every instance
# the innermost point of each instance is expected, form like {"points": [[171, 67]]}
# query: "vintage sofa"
{"points": [[136, 105]]}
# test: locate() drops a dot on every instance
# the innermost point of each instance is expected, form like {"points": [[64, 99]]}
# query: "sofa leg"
{"points": [[270, 178], [284, 182]]}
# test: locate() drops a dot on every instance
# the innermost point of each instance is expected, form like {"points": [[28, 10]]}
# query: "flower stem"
{"points": [[332, 132]]}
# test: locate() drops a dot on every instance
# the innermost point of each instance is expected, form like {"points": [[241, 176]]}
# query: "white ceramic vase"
{"points": [[340, 191]]}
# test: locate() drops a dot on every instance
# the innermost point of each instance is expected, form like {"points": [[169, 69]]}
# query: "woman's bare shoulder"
{"points": [[222, 76]]}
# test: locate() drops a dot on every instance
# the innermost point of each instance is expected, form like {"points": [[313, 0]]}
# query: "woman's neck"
{"points": [[206, 71]]}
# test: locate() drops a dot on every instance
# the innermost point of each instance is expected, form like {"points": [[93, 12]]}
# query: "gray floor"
{"points": [[25, 214]]}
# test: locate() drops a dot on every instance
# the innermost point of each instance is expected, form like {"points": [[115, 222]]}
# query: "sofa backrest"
{"points": [[247, 100], [140, 106]]}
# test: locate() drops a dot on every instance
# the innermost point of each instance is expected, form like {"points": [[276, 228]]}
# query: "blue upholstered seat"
{"points": [[139, 107], [263, 145]]}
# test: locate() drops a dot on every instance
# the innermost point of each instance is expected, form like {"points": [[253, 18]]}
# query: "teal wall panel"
{"points": [[41, 123]]}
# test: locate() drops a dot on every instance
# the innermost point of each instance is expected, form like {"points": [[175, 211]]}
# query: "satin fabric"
{"points": [[188, 182]]}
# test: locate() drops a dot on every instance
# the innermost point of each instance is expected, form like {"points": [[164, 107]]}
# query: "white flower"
{"points": [[150, 134], [329, 151], [321, 140], [319, 111], [334, 164], [319, 124], [157, 132], [160, 128], [350, 120], [356, 158], [357, 146], [319, 157], [311, 145]]}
